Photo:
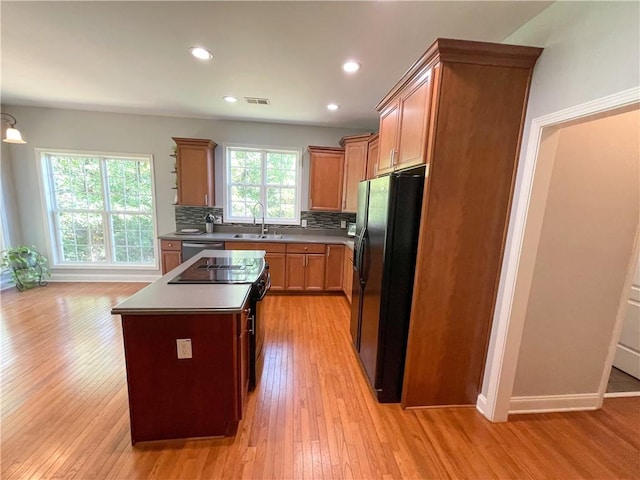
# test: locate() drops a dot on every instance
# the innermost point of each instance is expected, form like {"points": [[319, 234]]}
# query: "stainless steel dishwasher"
{"points": [[190, 249]]}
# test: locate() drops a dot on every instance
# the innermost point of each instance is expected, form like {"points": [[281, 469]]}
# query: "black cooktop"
{"points": [[222, 270]]}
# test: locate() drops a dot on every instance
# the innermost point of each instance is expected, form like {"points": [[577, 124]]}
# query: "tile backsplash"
{"points": [[194, 216]]}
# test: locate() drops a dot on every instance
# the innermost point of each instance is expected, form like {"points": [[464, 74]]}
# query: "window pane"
{"points": [[281, 168], [82, 237], [129, 185], [132, 237], [77, 182]]}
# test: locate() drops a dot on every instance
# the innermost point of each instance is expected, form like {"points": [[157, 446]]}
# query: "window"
{"points": [[270, 176], [100, 209]]}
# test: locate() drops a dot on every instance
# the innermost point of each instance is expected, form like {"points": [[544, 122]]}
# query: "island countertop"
{"points": [[162, 297]]}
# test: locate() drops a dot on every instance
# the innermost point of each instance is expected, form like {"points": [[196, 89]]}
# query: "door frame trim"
{"points": [[502, 357]]}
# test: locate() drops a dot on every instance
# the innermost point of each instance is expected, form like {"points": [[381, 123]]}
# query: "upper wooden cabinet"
{"points": [[372, 156], [355, 169], [195, 162], [326, 178], [462, 109], [403, 125]]}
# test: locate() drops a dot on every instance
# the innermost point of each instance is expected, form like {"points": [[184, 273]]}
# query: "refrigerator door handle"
{"points": [[362, 243], [363, 266]]}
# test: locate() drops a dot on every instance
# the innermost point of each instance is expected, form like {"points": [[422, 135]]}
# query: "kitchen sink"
{"points": [[257, 236], [254, 236]]}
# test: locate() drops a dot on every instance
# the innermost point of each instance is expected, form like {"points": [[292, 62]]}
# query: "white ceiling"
{"points": [[133, 57]]}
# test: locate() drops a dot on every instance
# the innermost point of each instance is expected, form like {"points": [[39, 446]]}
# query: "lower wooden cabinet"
{"points": [[171, 254], [305, 272], [277, 269], [333, 277], [171, 397], [347, 275], [305, 267]]}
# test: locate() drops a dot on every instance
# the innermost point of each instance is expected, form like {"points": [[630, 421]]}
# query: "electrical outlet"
{"points": [[343, 224], [184, 348], [304, 224]]}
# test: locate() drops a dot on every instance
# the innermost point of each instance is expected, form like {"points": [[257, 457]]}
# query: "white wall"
{"points": [[591, 50], [124, 133], [583, 256]]}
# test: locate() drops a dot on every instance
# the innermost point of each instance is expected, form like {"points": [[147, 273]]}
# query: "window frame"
{"points": [[50, 223], [263, 187]]}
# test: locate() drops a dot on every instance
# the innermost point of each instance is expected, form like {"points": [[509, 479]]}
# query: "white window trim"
{"points": [[47, 221], [226, 179]]}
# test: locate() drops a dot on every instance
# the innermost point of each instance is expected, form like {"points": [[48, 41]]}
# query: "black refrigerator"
{"points": [[386, 242]]}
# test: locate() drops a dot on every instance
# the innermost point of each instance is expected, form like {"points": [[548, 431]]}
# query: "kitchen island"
{"points": [[187, 355]]}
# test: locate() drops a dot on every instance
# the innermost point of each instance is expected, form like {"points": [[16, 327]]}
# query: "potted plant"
{"points": [[27, 265]]}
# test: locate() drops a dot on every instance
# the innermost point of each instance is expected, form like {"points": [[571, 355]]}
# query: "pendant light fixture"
{"points": [[12, 135]]}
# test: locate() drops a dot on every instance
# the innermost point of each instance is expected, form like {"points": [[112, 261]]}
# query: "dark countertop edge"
{"points": [[176, 311]]}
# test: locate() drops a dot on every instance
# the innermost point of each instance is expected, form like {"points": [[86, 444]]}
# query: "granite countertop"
{"points": [[163, 298], [280, 238]]}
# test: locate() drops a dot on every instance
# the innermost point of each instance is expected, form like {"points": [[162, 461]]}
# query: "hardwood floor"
{"points": [[65, 411]]}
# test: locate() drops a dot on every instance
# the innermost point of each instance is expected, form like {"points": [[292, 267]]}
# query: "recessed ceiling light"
{"points": [[333, 106], [230, 99], [201, 53], [351, 66]]}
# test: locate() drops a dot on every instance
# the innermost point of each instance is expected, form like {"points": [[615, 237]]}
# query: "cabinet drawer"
{"points": [[170, 244], [306, 248], [267, 247]]}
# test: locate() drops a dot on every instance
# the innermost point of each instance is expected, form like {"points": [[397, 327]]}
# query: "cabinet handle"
{"points": [[329, 251], [395, 160], [206, 199], [391, 158]]}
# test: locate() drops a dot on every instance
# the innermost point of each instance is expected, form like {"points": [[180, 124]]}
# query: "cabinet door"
{"points": [[294, 278], [347, 275], [372, 157], [195, 171], [277, 269], [387, 137], [243, 359], [170, 260], [314, 273], [325, 179], [333, 277], [414, 107], [355, 166]]}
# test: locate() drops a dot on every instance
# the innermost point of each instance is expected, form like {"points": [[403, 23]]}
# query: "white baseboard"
{"points": [[102, 277], [621, 394], [481, 404], [554, 403], [627, 360]]}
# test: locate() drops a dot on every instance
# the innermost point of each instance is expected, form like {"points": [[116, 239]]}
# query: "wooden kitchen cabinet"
{"points": [[275, 257], [326, 178], [404, 118], [334, 268], [171, 397], [244, 358], [305, 267], [347, 275], [195, 170], [460, 109], [171, 254], [372, 156], [355, 169]]}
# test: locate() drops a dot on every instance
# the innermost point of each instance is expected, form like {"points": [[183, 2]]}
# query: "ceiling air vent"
{"points": [[257, 101]]}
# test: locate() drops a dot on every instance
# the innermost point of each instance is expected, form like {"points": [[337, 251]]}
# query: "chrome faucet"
{"points": [[263, 230]]}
